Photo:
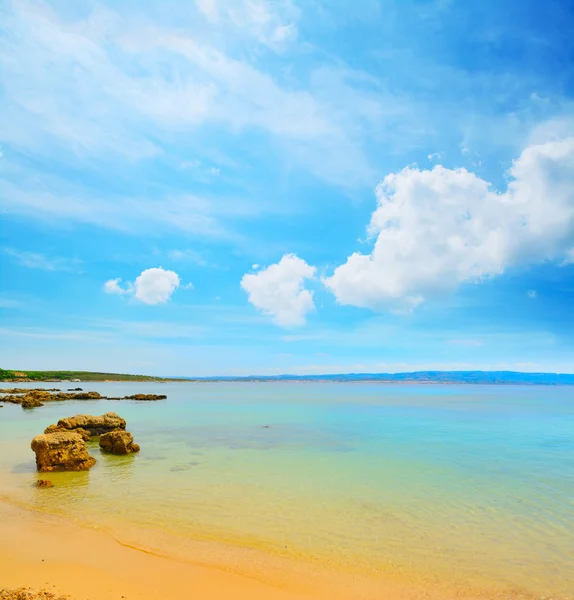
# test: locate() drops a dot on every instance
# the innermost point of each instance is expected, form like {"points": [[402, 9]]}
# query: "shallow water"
{"points": [[471, 483]]}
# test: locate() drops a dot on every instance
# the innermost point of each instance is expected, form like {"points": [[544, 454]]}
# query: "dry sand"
{"points": [[53, 554]]}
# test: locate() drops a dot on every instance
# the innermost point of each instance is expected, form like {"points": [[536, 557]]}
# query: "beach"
{"points": [[56, 555], [300, 491]]}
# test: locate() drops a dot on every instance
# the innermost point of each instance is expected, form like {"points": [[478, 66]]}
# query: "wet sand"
{"points": [[51, 553]]}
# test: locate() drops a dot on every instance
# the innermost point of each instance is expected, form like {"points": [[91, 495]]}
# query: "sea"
{"points": [[468, 484]]}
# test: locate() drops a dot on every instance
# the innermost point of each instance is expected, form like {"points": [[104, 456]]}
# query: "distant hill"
{"points": [[429, 377], [70, 375], [461, 377]]}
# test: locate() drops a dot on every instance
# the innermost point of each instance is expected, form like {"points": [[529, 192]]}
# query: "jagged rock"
{"points": [[61, 396], [43, 483], [83, 396], [12, 399], [31, 403], [145, 397], [118, 442], [86, 436], [61, 451], [94, 425]]}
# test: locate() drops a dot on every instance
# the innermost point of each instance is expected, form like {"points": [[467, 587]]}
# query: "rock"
{"points": [[84, 396], [29, 594], [75, 390], [93, 425], [145, 397], [61, 451], [11, 399], [86, 436], [31, 402], [118, 442], [43, 483]]}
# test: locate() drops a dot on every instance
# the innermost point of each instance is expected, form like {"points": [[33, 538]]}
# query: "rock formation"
{"points": [[118, 442], [33, 398], [145, 397], [61, 451], [93, 425], [43, 483]]}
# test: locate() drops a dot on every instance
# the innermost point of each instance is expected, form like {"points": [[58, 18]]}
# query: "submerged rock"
{"points": [[43, 483], [145, 397], [118, 442], [61, 451], [31, 403], [93, 425]]}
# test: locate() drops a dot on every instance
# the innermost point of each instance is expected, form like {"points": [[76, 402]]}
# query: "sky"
{"points": [[234, 187]]}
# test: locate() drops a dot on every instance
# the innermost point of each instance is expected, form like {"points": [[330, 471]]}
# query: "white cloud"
{"points": [[52, 199], [113, 286], [138, 85], [272, 23], [35, 260], [436, 229], [152, 286], [190, 164], [532, 294], [279, 291], [156, 285]]}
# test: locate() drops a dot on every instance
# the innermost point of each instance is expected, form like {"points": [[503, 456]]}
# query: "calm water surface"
{"points": [[471, 482]]}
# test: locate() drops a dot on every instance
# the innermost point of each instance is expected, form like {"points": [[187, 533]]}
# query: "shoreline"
{"points": [[49, 551]]}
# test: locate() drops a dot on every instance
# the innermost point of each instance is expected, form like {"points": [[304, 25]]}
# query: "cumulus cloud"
{"points": [[279, 291], [156, 285], [436, 229], [113, 286], [152, 286]]}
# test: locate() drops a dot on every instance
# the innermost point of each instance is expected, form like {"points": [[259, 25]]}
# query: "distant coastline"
{"points": [[414, 377]]}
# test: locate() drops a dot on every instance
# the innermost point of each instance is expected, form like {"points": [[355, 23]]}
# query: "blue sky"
{"points": [[250, 186]]}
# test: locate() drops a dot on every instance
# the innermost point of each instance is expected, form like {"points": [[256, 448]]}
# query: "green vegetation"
{"points": [[69, 375]]}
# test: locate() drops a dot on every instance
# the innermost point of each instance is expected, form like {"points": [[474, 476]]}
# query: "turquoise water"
{"points": [[472, 483]]}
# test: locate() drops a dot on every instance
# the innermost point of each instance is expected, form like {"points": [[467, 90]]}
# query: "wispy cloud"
{"points": [[188, 255], [136, 85], [53, 199], [35, 260]]}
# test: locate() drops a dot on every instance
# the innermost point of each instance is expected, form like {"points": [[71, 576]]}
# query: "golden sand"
{"points": [[53, 554]]}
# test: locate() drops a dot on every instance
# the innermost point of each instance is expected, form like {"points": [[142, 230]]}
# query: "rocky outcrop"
{"points": [[93, 425], [33, 398], [118, 442], [61, 451], [145, 397], [37, 397]]}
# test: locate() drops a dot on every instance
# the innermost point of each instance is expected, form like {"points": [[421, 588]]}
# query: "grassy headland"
{"points": [[14, 376]]}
